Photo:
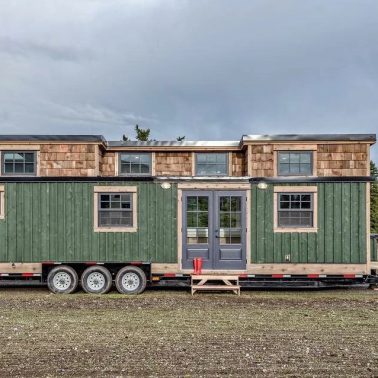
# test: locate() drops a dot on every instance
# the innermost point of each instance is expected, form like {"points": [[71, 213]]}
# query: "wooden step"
{"points": [[206, 282], [234, 288], [214, 277], [216, 287]]}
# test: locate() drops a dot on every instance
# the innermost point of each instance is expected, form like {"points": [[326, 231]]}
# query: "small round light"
{"points": [[166, 185], [262, 185]]}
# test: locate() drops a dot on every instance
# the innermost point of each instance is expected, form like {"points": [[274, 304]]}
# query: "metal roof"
{"points": [[310, 137], [174, 143], [52, 138], [188, 144]]}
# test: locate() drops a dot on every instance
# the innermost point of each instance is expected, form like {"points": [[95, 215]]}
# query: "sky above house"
{"points": [[209, 70]]}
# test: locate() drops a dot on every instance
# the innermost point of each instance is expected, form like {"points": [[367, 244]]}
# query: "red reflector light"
{"points": [[312, 275], [27, 274], [349, 276], [277, 275]]}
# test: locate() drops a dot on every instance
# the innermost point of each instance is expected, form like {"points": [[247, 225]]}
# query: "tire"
{"points": [[96, 280], [131, 280], [62, 280]]}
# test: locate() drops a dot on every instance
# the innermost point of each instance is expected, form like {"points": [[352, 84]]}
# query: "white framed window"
{"points": [[295, 163], [2, 202], [211, 164], [295, 160], [135, 164], [18, 163], [115, 209], [295, 209]]}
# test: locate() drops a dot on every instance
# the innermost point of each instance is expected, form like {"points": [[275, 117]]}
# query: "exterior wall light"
{"points": [[166, 185], [262, 185]]}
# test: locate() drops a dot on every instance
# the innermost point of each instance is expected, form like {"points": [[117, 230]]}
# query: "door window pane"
{"points": [[230, 221], [295, 163], [197, 219], [235, 236]]}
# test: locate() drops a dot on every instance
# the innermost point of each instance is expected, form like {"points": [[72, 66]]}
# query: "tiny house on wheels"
{"points": [[263, 211]]}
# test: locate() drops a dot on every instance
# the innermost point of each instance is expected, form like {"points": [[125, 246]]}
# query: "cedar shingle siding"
{"points": [[256, 159], [343, 159], [238, 164], [67, 160], [173, 163], [108, 164], [262, 160]]}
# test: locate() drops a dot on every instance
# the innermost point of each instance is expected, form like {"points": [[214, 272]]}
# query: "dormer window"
{"points": [[19, 163], [211, 164], [139, 164], [295, 163]]}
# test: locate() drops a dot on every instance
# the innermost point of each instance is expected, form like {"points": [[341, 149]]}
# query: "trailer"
{"points": [[81, 212]]}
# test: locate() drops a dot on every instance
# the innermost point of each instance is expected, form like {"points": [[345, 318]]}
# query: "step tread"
{"points": [[214, 277], [216, 287]]}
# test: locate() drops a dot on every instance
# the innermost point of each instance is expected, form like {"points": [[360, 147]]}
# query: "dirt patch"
{"points": [[165, 333]]}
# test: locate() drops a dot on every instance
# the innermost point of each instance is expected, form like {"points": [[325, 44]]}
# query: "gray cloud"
{"points": [[205, 69], [29, 49]]}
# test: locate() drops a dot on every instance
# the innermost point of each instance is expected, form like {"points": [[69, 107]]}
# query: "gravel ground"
{"points": [[171, 333]]}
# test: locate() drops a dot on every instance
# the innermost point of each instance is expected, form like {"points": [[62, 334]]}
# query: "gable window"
{"points": [[2, 202], [295, 209], [19, 163], [295, 163], [115, 208], [135, 164], [211, 164]]}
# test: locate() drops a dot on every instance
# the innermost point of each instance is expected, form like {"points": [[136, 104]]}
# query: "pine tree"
{"points": [[374, 199], [143, 135]]}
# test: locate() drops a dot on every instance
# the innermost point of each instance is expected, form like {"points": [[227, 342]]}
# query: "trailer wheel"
{"points": [[96, 280], [62, 280], [131, 280]]}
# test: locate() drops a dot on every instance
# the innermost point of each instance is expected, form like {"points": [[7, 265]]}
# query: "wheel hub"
{"points": [[130, 281], [62, 280], [96, 281]]}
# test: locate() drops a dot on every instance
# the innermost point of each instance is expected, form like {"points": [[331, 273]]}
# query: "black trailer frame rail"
{"points": [[177, 280]]}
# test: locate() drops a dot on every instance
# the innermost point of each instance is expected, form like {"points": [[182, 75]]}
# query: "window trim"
{"points": [[2, 202], [133, 190], [294, 190], [119, 165], [21, 150], [195, 155], [296, 148]]}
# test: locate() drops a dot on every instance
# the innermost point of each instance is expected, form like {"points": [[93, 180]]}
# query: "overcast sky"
{"points": [[204, 69]]}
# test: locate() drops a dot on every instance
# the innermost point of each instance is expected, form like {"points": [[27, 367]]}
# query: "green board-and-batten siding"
{"points": [[341, 236], [374, 248], [54, 221]]}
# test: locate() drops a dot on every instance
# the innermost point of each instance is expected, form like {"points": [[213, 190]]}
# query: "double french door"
{"points": [[214, 228]]}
